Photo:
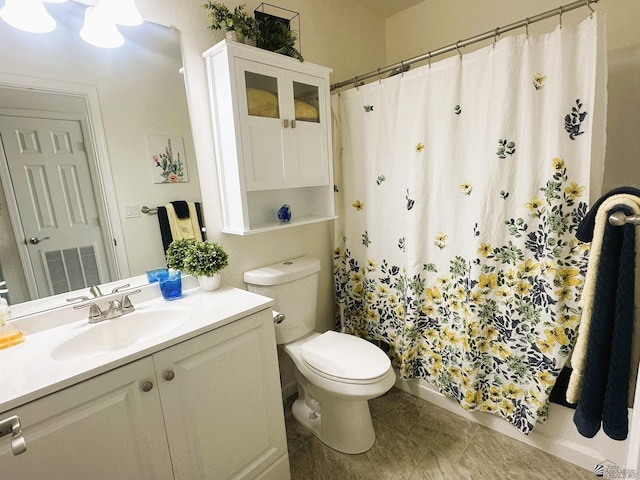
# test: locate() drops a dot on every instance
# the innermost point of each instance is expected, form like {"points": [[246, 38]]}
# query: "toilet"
{"points": [[337, 373]]}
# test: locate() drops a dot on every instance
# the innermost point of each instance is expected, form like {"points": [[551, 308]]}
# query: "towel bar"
{"points": [[618, 219], [148, 210]]}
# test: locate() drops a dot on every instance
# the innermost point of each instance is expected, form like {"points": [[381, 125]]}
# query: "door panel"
{"points": [[50, 171]]}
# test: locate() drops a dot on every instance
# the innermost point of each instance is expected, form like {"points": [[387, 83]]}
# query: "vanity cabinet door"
{"points": [[222, 403], [105, 428]]}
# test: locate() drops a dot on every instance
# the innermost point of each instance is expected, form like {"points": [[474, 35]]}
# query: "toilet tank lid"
{"points": [[283, 272]]}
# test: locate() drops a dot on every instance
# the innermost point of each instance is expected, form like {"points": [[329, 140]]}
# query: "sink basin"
{"points": [[112, 335]]}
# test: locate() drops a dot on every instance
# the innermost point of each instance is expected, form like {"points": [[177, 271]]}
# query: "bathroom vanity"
{"points": [[187, 389]]}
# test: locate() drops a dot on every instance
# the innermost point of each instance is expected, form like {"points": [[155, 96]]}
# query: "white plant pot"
{"points": [[209, 284]]}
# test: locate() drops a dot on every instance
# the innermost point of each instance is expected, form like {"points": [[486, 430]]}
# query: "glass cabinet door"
{"points": [[306, 102], [263, 112], [262, 95]]}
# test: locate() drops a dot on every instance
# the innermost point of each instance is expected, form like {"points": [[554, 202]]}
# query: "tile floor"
{"points": [[416, 440]]}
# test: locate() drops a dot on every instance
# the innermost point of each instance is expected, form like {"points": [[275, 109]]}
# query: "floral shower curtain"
{"points": [[462, 186]]}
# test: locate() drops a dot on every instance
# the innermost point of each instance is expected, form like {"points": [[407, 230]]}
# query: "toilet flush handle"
{"points": [[278, 317]]}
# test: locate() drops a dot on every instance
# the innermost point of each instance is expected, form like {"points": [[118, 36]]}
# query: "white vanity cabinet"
{"points": [[272, 126], [206, 408], [102, 429]]}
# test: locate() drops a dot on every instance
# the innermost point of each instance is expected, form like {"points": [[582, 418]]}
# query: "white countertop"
{"points": [[28, 372]]}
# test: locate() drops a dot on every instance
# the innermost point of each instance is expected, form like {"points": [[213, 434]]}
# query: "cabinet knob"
{"points": [[285, 122], [147, 386], [12, 426], [169, 375]]}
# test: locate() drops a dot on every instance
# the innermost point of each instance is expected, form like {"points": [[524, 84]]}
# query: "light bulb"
{"points": [[28, 15], [99, 30], [121, 12]]}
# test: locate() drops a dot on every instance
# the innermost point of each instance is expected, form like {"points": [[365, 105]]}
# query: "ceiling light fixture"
{"points": [[99, 30], [27, 15]]}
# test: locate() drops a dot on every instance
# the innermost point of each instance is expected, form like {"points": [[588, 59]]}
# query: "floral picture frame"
{"points": [[167, 159]]}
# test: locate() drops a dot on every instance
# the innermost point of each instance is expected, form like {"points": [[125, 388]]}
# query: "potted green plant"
{"points": [[276, 36], [205, 261], [176, 251], [237, 23]]}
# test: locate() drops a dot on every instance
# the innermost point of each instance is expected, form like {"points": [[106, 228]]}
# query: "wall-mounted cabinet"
{"points": [[272, 128]]}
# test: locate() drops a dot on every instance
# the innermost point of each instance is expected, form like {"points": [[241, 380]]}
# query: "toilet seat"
{"points": [[345, 358]]}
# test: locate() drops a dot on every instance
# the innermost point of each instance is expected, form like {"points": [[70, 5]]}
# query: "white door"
{"points": [[58, 211]]}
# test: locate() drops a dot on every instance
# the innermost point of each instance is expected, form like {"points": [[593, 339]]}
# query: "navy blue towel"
{"points": [[605, 384]]}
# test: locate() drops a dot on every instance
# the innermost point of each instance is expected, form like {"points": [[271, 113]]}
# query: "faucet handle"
{"points": [[78, 299], [121, 287], [95, 314], [94, 290], [127, 306]]}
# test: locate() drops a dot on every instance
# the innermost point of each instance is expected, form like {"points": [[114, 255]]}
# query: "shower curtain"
{"points": [[462, 186]]}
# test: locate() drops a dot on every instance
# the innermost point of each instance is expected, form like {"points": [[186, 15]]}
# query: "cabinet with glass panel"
{"points": [[271, 118]]}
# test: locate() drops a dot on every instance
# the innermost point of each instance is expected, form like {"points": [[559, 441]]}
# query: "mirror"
{"points": [[126, 104]]}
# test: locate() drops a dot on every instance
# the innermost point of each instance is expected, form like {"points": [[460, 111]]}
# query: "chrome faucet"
{"points": [[116, 308]]}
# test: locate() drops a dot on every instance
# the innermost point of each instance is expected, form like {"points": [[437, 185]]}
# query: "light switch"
{"points": [[132, 210]]}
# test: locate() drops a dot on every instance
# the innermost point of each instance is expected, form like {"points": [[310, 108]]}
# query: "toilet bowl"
{"points": [[337, 373]]}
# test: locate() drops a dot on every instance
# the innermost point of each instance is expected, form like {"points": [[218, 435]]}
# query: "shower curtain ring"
{"points": [[379, 78], [526, 27], [429, 58], [560, 16], [458, 48], [588, 4], [496, 34], [402, 68]]}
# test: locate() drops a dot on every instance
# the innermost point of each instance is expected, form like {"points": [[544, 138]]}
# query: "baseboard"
{"points": [[558, 436]]}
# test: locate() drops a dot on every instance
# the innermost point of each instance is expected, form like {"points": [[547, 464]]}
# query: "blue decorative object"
{"points": [[171, 285], [284, 213]]}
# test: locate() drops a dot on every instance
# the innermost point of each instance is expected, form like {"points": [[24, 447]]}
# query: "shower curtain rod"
{"points": [[403, 65]]}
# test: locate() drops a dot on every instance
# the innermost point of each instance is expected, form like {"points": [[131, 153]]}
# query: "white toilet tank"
{"points": [[293, 284]]}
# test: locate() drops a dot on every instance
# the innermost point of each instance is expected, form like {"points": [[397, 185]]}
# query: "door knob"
{"points": [[147, 386], [169, 375], [36, 240]]}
